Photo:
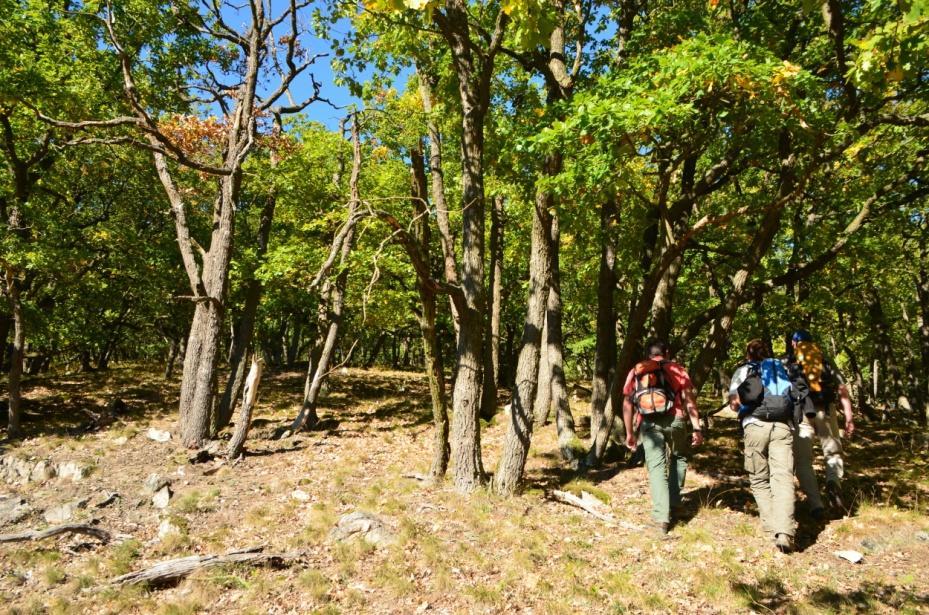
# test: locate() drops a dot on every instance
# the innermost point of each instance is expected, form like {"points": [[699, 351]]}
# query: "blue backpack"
{"points": [[767, 392]]}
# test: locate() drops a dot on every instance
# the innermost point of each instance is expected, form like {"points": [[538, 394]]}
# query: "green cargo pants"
{"points": [[769, 460], [667, 447]]}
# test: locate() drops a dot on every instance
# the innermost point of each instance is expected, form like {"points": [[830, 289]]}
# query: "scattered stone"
{"points": [[42, 472], [852, 556], [162, 497], [158, 435], [107, 499], [13, 509], [120, 440], [300, 495], [166, 528], [923, 536], [869, 544], [154, 483], [64, 512], [73, 470], [360, 524]]}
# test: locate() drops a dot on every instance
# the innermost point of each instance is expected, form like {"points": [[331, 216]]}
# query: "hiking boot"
{"points": [[834, 495], [661, 528], [783, 543]]}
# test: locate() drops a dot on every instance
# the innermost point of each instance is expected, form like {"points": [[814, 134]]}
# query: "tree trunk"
{"points": [[432, 358], [173, 351], [246, 329], [542, 405], [197, 384], [718, 336], [519, 432], [427, 82], [496, 283], [308, 418], [605, 351], [492, 320], [249, 397], [375, 350], [564, 420], [14, 382], [922, 293]]}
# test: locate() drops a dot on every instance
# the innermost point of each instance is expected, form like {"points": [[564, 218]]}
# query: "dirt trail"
{"points": [[450, 553]]}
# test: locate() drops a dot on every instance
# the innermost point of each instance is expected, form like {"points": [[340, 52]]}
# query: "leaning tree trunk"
{"points": [[246, 328], [922, 293], [492, 320], [519, 433], [14, 382], [718, 338], [307, 419], [605, 351], [173, 351], [564, 420], [249, 397], [432, 358], [427, 83], [542, 405]]}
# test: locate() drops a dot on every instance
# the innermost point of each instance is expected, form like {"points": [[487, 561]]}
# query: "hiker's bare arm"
{"points": [[845, 401], [627, 421], [690, 402], [734, 402]]}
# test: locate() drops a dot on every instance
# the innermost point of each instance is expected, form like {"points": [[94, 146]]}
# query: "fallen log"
{"points": [[593, 506], [70, 528], [174, 570]]}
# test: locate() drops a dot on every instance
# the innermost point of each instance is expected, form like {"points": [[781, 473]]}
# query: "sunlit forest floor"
{"points": [[452, 553]]}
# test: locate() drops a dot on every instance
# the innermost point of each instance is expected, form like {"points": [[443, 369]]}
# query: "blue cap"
{"points": [[802, 335]]}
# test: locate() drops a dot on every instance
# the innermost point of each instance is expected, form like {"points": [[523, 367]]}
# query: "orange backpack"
{"points": [[653, 392]]}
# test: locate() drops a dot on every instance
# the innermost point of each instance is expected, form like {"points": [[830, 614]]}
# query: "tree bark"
{"points": [[173, 351], [427, 82], [922, 294], [14, 381], [474, 75], [767, 229], [492, 320], [564, 420], [605, 351], [432, 358], [542, 405], [307, 419], [246, 329], [519, 431], [249, 398]]}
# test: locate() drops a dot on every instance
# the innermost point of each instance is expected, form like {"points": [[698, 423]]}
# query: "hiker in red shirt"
{"points": [[661, 392]]}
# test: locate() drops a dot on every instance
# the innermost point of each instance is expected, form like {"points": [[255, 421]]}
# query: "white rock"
{"points": [[166, 528], [154, 482], [360, 524], [162, 497], [42, 472], [158, 435], [852, 556], [300, 495], [120, 440], [59, 514], [13, 509], [72, 470]]}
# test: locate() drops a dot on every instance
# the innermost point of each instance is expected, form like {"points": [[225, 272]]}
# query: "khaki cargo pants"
{"points": [[769, 460], [826, 426]]}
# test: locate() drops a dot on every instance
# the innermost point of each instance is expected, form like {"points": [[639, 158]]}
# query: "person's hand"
{"points": [[696, 438], [849, 428], [630, 441]]}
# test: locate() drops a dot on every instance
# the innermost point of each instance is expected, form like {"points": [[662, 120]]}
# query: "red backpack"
{"points": [[653, 391]]}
